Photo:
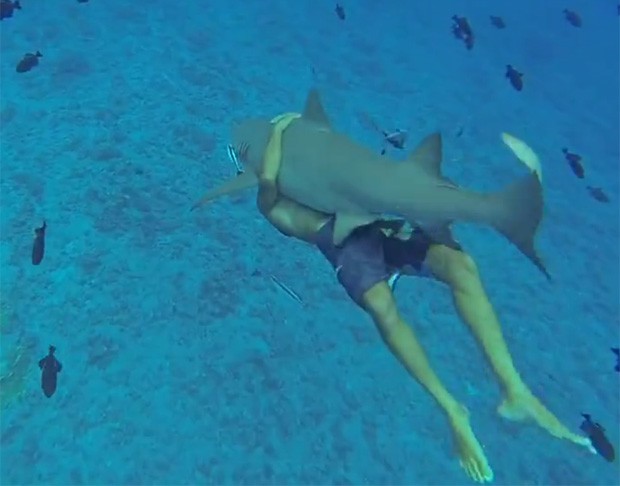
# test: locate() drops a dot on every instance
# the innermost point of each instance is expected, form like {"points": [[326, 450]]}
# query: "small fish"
{"points": [[340, 12], [290, 292], [462, 30], [574, 161], [38, 246], [572, 17], [7, 7], [598, 194], [616, 351], [497, 22], [232, 156], [82, 1], [50, 367], [596, 434], [28, 62], [515, 77], [396, 139]]}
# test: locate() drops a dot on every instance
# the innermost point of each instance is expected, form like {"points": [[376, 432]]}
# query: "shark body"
{"points": [[329, 172]]}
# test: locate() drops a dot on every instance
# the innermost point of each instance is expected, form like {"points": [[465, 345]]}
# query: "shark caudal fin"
{"points": [[520, 214]]}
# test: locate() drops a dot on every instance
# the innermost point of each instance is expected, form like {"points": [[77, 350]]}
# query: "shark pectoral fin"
{"points": [[239, 183], [345, 223], [442, 234]]}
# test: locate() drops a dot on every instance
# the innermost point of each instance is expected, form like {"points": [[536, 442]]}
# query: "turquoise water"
{"points": [[183, 362]]}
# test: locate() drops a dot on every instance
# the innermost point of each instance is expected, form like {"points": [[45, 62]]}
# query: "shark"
{"points": [[330, 172]]}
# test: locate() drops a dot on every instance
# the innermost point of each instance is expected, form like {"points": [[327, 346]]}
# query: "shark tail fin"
{"points": [[521, 210]]}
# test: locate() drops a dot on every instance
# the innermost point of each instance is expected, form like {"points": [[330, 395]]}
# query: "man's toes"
{"points": [[472, 470], [488, 476]]}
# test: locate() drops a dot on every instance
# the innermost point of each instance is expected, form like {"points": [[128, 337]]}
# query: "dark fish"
{"points": [[598, 194], [573, 17], [7, 7], [574, 161], [50, 367], [340, 12], [462, 24], [28, 62], [82, 1], [498, 22], [515, 77], [596, 434], [616, 351], [462, 30], [38, 246]]}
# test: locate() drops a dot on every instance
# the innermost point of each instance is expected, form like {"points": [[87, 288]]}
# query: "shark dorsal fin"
{"points": [[314, 109], [427, 155]]}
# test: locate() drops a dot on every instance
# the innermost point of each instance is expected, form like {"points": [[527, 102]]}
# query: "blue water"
{"points": [[183, 362]]}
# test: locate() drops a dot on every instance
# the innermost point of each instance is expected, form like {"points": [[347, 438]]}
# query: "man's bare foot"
{"points": [[523, 405], [470, 452]]}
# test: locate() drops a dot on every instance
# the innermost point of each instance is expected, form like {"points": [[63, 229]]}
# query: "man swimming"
{"points": [[365, 266]]}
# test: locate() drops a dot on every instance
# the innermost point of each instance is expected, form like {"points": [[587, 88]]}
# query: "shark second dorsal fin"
{"points": [[314, 110], [428, 155]]}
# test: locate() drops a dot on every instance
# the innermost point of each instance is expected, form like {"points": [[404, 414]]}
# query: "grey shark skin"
{"points": [[329, 172]]}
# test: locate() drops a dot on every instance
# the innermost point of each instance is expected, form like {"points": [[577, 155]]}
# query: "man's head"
{"points": [[249, 139]]}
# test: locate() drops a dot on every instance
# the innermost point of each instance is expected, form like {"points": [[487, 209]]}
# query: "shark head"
{"points": [[249, 139]]}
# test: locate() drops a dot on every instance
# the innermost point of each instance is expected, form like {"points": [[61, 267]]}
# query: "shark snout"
{"points": [[249, 138]]}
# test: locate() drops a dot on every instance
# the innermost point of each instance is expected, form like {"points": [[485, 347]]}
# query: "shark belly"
{"points": [[321, 170]]}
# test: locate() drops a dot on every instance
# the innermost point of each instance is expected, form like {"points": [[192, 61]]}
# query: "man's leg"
{"points": [[379, 302], [458, 270]]}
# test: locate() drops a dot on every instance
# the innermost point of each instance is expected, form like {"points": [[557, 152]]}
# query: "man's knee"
{"points": [[454, 267], [379, 302]]}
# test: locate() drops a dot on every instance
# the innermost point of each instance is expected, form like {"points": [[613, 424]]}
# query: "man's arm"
{"points": [[288, 217], [268, 174]]}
